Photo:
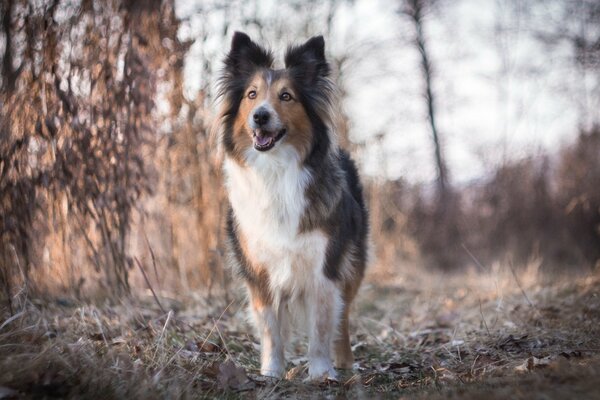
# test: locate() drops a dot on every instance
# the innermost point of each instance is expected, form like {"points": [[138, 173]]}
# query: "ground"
{"points": [[498, 334]]}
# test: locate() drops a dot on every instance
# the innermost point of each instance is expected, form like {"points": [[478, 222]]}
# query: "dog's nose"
{"points": [[261, 117]]}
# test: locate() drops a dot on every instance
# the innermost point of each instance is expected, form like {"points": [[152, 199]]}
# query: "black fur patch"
{"points": [[307, 62], [336, 205], [348, 226]]}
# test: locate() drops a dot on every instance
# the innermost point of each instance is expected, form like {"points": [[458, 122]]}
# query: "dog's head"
{"points": [[263, 107]]}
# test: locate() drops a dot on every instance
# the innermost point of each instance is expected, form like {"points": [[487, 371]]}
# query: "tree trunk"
{"points": [[414, 9]]}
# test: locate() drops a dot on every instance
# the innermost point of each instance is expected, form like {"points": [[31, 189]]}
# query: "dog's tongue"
{"points": [[263, 140]]}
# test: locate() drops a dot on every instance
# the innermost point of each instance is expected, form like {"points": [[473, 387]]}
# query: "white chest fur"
{"points": [[268, 199]]}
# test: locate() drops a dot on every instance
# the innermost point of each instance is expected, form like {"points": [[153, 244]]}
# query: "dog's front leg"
{"points": [[323, 307], [271, 344]]}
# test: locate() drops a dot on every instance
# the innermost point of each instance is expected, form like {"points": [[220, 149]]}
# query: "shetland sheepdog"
{"points": [[297, 224]]}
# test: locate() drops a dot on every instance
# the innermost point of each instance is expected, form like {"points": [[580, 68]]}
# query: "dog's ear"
{"points": [[245, 55], [307, 61]]}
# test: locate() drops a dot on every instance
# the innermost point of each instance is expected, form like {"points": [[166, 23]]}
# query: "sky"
{"points": [[499, 94]]}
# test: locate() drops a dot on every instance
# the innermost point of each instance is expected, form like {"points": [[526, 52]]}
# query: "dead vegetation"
{"points": [[423, 336], [103, 161]]}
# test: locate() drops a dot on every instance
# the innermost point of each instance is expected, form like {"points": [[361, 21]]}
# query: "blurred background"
{"points": [[476, 126]]}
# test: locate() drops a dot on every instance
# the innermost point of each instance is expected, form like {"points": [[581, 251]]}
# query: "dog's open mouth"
{"points": [[265, 140]]}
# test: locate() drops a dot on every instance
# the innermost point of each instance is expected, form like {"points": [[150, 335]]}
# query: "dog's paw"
{"points": [[272, 371], [321, 370]]}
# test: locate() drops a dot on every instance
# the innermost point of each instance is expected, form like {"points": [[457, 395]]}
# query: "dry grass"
{"points": [[421, 335]]}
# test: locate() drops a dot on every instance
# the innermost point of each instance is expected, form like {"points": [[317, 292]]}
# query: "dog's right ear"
{"points": [[246, 56]]}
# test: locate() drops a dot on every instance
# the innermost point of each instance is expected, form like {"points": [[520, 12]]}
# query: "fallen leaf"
{"points": [[232, 377], [294, 372], [202, 346], [533, 362], [209, 347]]}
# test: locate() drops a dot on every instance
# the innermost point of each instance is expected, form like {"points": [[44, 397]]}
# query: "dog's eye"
{"points": [[252, 94], [285, 96]]}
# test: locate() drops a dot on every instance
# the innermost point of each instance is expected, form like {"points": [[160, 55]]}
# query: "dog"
{"points": [[297, 225]]}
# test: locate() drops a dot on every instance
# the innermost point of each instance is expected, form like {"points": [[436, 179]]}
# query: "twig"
{"points": [[222, 338], [149, 285], [95, 315], [519, 284], [153, 257], [157, 375], [9, 320], [483, 319], [474, 258], [473, 365], [274, 387], [162, 333], [215, 325], [211, 331], [449, 352]]}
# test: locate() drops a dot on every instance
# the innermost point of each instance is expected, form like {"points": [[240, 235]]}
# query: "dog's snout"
{"points": [[261, 117]]}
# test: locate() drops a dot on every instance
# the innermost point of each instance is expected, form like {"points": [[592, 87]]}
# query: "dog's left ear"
{"points": [[308, 60]]}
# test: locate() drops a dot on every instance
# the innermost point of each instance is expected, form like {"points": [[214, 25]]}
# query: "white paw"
{"points": [[321, 370], [273, 370]]}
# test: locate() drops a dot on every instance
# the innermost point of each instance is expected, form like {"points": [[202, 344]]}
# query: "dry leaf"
{"points": [[203, 346], [294, 372], [533, 362], [208, 347], [232, 377]]}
